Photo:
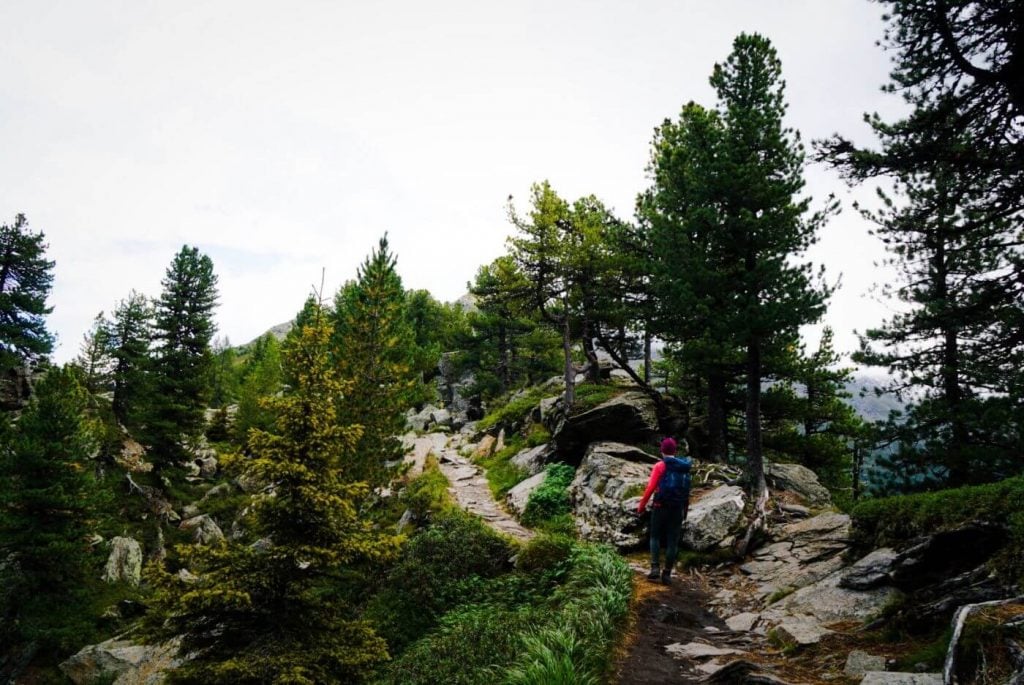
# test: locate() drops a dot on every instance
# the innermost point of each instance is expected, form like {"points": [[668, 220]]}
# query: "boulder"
{"points": [[800, 631], [802, 553], [893, 678], [873, 570], [798, 479], [827, 602], [421, 420], [858, 663], [605, 494], [628, 418], [742, 622], [455, 388], [132, 457], [518, 496], [421, 447], [485, 447], [712, 517], [15, 387], [534, 459], [205, 529], [207, 466], [934, 558], [121, 663], [124, 564]]}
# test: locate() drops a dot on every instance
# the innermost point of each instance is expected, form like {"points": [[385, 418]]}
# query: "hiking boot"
{"points": [[655, 572], [666, 577]]}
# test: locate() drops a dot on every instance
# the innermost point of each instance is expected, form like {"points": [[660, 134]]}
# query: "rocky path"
{"points": [[676, 638], [468, 486]]}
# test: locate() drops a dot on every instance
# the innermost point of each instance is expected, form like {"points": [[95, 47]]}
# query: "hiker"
{"points": [[670, 485]]}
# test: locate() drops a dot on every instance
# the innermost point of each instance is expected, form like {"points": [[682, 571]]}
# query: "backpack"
{"points": [[674, 486]]}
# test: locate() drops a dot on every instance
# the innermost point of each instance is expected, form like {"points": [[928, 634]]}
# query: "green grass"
{"points": [[552, 619], [502, 475], [590, 395], [514, 411]]}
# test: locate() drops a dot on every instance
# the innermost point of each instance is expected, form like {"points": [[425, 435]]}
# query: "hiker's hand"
{"points": [[640, 510]]}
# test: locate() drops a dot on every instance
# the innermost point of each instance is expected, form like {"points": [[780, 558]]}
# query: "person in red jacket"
{"points": [[670, 485]]}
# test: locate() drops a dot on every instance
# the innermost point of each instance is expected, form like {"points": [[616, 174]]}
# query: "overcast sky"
{"points": [[286, 137]]}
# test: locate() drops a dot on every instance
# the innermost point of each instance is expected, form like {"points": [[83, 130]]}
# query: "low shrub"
{"points": [[502, 475], [551, 498], [891, 520], [590, 395], [513, 411]]}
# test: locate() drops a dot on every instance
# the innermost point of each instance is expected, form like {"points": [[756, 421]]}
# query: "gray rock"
{"points": [[534, 459], [827, 602], [441, 417], [858, 663], [124, 564], [892, 678], [798, 479], [422, 420], [15, 387], [712, 518], [205, 529], [742, 622], [800, 631], [604, 496], [698, 650], [873, 570], [518, 496], [207, 466], [803, 553], [628, 418], [549, 408], [122, 663]]}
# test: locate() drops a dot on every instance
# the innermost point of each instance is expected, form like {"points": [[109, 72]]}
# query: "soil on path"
{"points": [[666, 615]]}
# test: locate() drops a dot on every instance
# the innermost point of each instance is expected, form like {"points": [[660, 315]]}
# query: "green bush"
{"points": [[891, 520], [441, 568], [551, 498], [513, 411], [590, 395]]}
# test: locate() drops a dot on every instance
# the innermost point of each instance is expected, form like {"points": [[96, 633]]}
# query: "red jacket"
{"points": [[652, 485]]}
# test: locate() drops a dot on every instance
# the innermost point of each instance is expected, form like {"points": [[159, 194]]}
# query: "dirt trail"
{"points": [[470, 490]]}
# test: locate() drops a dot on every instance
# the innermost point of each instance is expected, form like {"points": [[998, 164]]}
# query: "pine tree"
{"points": [[261, 378], [373, 346], [95, 357], [129, 340], [48, 498], [183, 329], [733, 222], [26, 277], [275, 612]]}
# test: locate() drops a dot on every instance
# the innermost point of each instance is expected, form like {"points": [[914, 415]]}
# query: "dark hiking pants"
{"points": [[666, 523]]}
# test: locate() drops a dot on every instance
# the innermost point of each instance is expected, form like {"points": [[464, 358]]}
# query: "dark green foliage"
{"points": [[26, 277], [183, 329], [282, 614], [952, 228], [129, 338], [726, 225], [551, 498], [373, 345], [893, 520], [442, 566], [427, 494], [261, 376], [95, 358], [808, 421], [502, 474], [224, 374], [504, 344], [565, 603], [48, 501], [435, 329]]}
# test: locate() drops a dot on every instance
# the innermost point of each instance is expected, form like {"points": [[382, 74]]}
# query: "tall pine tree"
{"points": [[183, 329], [26, 277], [735, 224], [129, 339]]}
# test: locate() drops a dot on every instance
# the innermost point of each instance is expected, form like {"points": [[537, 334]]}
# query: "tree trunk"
{"points": [[757, 487], [570, 370], [716, 417], [593, 367], [755, 460], [647, 355]]}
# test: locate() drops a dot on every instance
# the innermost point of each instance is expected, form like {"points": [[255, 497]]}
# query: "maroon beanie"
{"points": [[668, 446]]}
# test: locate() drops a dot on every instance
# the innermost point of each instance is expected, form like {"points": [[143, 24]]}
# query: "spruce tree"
{"points": [[261, 377], [48, 501], [373, 346], [183, 329], [275, 612], [95, 357], [26, 277]]}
